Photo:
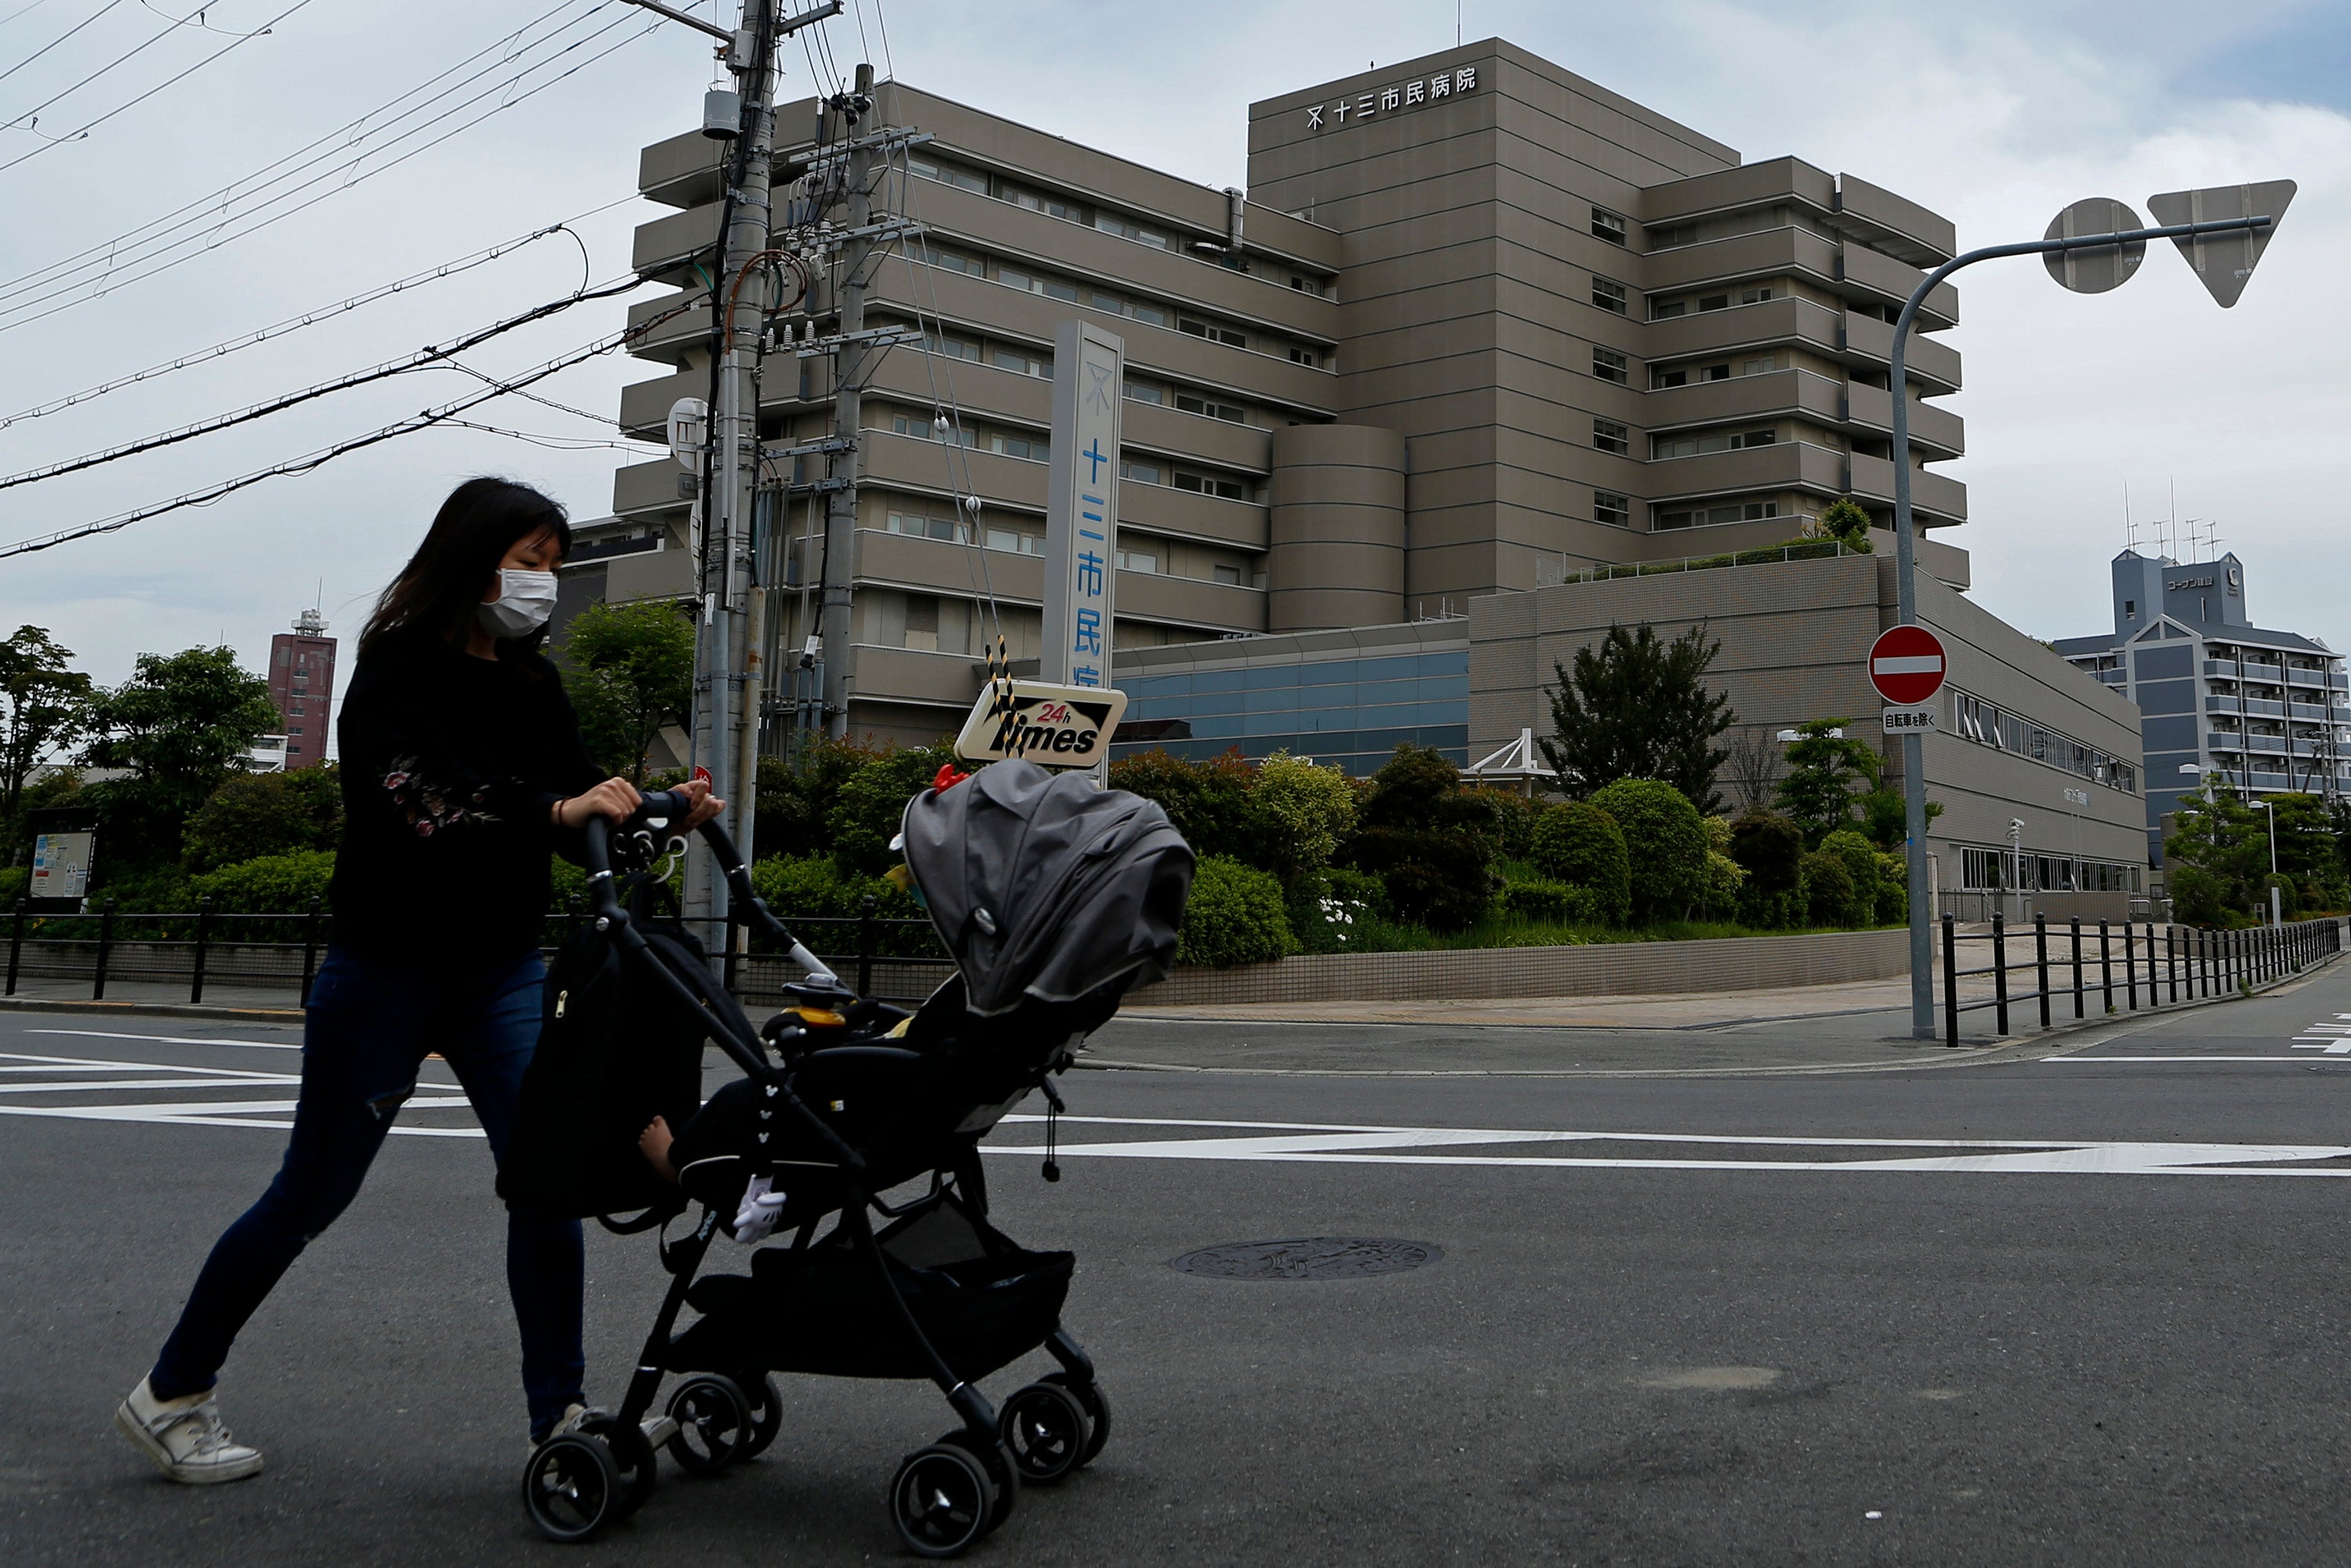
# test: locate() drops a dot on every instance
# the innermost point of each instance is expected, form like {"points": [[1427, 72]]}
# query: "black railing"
{"points": [[2171, 964], [206, 947]]}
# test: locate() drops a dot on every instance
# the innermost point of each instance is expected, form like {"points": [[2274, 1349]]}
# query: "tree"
{"points": [[1298, 813], [1635, 708], [1429, 842], [1845, 521], [2219, 854], [1666, 840], [255, 814], [180, 725], [1770, 849], [43, 706], [1827, 774], [871, 804], [1207, 802], [629, 669], [1752, 761]]}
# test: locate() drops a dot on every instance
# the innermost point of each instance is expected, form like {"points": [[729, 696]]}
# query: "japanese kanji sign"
{"points": [[1081, 506]]}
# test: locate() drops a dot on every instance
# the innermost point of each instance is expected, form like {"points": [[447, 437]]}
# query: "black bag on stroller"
{"points": [[1054, 899]]}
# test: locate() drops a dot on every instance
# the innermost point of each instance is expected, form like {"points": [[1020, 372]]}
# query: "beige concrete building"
{"points": [[1476, 324]]}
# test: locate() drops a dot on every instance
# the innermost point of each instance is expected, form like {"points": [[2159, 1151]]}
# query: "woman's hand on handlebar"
{"points": [[704, 804], [614, 797]]}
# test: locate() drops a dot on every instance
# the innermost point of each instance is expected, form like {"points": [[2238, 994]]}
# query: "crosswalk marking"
{"points": [[46, 1075]]}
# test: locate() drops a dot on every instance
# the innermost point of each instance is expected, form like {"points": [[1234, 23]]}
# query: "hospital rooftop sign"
{"points": [[1390, 99]]}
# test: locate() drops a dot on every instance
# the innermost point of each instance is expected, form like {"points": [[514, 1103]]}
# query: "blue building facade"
{"points": [[2264, 711], [1345, 698]]}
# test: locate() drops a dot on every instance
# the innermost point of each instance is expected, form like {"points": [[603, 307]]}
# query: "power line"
{"points": [[53, 43], [120, 60], [554, 443], [307, 319], [163, 236], [311, 461], [425, 357], [173, 81]]}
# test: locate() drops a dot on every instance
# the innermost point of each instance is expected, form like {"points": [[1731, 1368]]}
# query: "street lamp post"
{"points": [[2277, 909], [2123, 245]]}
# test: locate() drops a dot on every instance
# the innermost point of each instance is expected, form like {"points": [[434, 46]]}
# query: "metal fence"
{"points": [[2166, 964], [896, 958]]}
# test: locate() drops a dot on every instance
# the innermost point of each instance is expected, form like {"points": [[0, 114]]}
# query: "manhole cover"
{"points": [[1308, 1257]]}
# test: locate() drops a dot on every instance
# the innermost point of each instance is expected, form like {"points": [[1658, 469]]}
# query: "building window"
{"points": [[1021, 363], [1607, 226], [1230, 576], [1714, 302], [948, 174], [922, 623], [1759, 367], [1110, 225], [1610, 366], [1145, 392], [1987, 724], [1608, 294], [1208, 484], [1667, 309], [1663, 519], [1014, 542], [1306, 356], [1672, 235], [1188, 404], [1035, 448], [1757, 295], [917, 526], [1138, 560], [954, 261], [1214, 334], [1608, 507], [1609, 437], [953, 348]]}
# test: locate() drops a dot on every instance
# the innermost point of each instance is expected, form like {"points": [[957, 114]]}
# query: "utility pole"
{"points": [[848, 408], [738, 316]]}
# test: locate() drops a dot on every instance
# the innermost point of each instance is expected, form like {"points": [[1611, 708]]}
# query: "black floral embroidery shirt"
{"points": [[451, 765]]}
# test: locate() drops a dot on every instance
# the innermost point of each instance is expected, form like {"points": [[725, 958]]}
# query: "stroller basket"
{"points": [[981, 1300]]}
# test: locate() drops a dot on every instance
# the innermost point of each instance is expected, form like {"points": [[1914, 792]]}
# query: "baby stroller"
{"points": [[1054, 898]]}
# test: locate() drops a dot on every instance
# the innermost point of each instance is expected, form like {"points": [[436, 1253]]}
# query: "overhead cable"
{"points": [[53, 43], [92, 125], [203, 225], [307, 319], [427, 357], [314, 460]]}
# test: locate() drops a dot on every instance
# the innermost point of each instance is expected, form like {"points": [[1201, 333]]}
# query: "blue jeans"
{"points": [[370, 1025]]}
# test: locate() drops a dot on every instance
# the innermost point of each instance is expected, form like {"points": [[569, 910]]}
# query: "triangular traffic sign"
{"points": [[2224, 261]]}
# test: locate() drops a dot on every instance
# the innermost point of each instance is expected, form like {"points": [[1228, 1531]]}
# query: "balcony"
{"points": [[1744, 326], [2261, 707], [1768, 253], [1932, 496], [2222, 704], [2272, 674], [1747, 185], [684, 171], [1935, 433], [1903, 226], [666, 245], [1870, 342], [1790, 464], [1873, 275], [1778, 392]]}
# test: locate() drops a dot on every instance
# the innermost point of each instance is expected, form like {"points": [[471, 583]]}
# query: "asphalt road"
{"points": [[2017, 1310]]}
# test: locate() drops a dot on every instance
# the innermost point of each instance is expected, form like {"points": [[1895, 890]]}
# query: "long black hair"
{"points": [[437, 590]]}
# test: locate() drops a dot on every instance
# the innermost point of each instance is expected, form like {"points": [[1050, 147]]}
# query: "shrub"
{"points": [[800, 889], [1551, 903], [1430, 841], [268, 884], [1860, 859], [871, 804], [1762, 910], [1718, 891], [1768, 847], [1296, 814], [1893, 889], [1828, 894], [1665, 839], [1580, 844], [1235, 918], [2199, 898], [256, 814], [1207, 801], [16, 881], [1514, 815]]}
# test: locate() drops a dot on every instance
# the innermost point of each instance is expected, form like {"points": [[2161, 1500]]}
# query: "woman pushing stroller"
{"points": [[463, 767]]}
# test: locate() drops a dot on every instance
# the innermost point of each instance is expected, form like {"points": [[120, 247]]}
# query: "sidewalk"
{"points": [[1695, 1010]]}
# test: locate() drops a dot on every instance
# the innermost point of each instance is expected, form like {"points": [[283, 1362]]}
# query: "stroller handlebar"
{"points": [[661, 807]]}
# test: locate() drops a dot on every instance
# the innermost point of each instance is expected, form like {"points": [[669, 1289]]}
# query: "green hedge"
{"points": [[1235, 918], [1580, 844], [1667, 841], [267, 884]]}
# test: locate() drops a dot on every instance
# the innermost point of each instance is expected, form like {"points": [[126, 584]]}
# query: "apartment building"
{"points": [[1476, 324], [2265, 710]]}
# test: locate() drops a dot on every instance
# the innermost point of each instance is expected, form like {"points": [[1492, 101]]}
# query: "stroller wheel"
{"points": [[766, 1411], [632, 1458], [1004, 1479], [570, 1488], [714, 1423], [941, 1501], [1097, 1403], [1046, 1431]]}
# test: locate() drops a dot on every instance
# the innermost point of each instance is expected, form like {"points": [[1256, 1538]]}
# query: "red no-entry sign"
{"points": [[1906, 665]]}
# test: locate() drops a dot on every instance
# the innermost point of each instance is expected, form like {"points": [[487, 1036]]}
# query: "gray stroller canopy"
{"points": [[1042, 885]]}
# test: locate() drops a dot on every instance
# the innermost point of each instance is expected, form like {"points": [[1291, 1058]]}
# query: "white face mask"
{"points": [[525, 601]]}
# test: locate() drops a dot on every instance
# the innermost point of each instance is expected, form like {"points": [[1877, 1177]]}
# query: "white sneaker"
{"points": [[186, 1436]]}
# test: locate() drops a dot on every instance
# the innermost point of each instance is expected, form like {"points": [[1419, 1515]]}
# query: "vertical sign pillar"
{"points": [[1082, 506]]}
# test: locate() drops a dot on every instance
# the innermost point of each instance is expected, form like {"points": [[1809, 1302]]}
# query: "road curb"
{"points": [[150, 1009]]}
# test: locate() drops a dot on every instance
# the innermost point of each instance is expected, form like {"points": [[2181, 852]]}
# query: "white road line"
{"points": [[1357, 1145], [171, 1039], [2096, 1061]]}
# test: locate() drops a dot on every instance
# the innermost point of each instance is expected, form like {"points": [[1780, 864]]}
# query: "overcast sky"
{"points": [[1996, 114]]}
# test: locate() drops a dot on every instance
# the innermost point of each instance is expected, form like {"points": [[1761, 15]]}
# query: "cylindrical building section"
{"points": [[1335, 554]]}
